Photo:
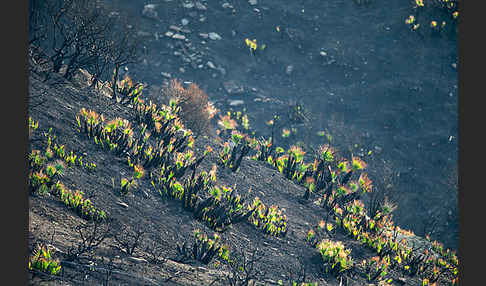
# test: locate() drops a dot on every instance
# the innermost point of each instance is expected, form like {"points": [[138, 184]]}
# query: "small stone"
{"points": [[236, 102], [188, 5], [210, 65], [182, 70], [166, 74], [175, 28], [289, 69], [454, 65], [178, 37], [204, 35], [200, 6], [214, 36], [323, 53], [137, 259], [232, 87], [378, 148], [253, 2], [184, 22], [227, 5], [122, 204], [149, 11], [177, 53]]}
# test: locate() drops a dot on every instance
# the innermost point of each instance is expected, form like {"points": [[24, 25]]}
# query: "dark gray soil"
{"points": [[380, 85], [164, 223]]}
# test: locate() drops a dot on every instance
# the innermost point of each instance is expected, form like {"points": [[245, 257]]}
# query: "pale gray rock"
{"points": [[214, 36], [150, 12], [233, 88]]}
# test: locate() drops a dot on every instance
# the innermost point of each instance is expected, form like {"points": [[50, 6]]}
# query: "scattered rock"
{"points": [[289, 69], [166, 74], [184, 21], [179, 37], [188, 5], [182, 70], [232, 87], [214, 36], [200, 6], [175, 28], [137, 259], [454, 65], [210, 65], [227, 5], [204, 35], [236, 102], [122, 204], [323, 53], [253, 2], [149, 11]]}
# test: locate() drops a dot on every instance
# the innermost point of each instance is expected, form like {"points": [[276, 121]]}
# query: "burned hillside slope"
{"points": [[121, 193]]}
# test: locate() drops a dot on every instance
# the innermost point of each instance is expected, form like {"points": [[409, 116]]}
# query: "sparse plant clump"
{"points": [[336, 258], [233, 151], [128, 91], [271, 220], [76, 201], [127, 184], [33, 125], [42, 176], [292, 165], [223, 208], [53, 150], [376, 268], [116, 135], [43, 260], [264, 150], [217, 206], [204, 249]]}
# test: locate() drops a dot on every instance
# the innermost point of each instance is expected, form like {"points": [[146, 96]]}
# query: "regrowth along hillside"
{"points": [[121, 192]]}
